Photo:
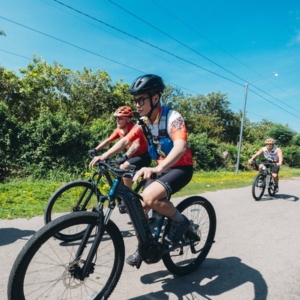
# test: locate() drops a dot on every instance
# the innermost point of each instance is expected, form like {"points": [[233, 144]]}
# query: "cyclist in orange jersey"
{"points": [[136, 150]]}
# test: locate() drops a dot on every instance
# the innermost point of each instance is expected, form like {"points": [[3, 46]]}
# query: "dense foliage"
{"points": [[50, 116]]}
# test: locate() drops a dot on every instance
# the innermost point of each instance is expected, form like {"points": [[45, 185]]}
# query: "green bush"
{"points": [[8, 141], [205, 151], [283, 135], [291, 156], [53, 142], [296, 140], [100, 130]]}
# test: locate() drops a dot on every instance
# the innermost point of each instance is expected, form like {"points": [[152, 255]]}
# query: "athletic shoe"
{"points": [[134, 258], [177, 231]]}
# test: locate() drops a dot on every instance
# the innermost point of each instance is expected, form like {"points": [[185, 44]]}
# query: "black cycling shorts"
{"points": [[141, 161], [273, 169], [174, 179]]}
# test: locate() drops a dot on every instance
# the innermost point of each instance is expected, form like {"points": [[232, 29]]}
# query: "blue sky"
{"points": [[200, 46]]}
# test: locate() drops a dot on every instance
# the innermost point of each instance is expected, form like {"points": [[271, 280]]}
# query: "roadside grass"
{"points": [[26, 198]]}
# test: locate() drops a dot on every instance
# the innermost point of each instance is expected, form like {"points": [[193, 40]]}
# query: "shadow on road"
{"points": [[10, 235], [292, 198], [213, 278]]}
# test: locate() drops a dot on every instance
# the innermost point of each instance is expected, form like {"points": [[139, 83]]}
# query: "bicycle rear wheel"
{"points": [[202, 217], [258, 186], [46, 267], [74, 196]]}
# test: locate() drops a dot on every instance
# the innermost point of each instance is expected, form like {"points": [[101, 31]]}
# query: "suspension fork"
{"points": [[98, 237]]}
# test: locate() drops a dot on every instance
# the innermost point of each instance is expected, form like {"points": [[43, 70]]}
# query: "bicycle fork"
{"points": [[88, 266]]}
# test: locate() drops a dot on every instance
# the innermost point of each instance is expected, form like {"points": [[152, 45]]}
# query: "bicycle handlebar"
{"points": [[120, 172], [266, 163]]}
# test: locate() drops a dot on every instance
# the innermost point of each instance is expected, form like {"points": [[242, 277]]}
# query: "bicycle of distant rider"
{"points": [[262, 181], [90, 265]]}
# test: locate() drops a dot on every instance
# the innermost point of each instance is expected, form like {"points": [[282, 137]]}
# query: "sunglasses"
{"points": [[140, 101]]}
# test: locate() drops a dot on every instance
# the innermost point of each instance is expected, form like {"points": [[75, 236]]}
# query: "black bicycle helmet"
{"points": [[147, 84]]}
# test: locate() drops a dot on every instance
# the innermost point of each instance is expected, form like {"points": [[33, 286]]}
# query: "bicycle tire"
{"points": [[271, 188], [258, 186], [42, 269], [74, 196], [203, 221]]}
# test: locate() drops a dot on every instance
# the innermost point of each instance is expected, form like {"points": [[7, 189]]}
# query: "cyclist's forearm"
{"points": [[132, 149], [102, 144], [116, 148], [257, 154]]}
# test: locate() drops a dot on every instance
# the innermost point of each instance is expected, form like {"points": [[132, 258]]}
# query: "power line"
{"points": [[274, 104], [276, 99], [135, 45], [147, 43], [205, 37], [86, 50], [111, 59], [182, 44], [15, 54], [70, 44], [80, 12]]}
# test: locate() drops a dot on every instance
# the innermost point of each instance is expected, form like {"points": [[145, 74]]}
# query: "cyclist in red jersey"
{"points": [[136, 150], [170, 149]]}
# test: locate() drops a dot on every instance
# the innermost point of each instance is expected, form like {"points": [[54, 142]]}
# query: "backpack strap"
{"points": [[163, 122]]}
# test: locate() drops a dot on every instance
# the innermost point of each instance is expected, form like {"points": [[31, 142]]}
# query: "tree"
{"points": [[282, 134]]}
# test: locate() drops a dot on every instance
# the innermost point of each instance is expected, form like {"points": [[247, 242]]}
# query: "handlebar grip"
{"points": [[153, 176]]}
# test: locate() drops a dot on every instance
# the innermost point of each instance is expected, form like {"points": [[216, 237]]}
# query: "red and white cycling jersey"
{"points": [[176, 130]]}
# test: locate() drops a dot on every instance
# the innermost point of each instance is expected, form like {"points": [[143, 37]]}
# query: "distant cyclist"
{"points": [[271, 154], [136, 150]]}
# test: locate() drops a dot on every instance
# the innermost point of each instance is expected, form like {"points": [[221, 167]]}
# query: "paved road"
{"points": [[256, 254]]}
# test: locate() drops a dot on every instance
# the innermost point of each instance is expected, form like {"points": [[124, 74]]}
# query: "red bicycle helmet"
{"points": [[123, 111]]}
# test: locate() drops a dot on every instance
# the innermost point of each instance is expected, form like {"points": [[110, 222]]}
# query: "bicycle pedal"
{"points": [[138, 264], [122, 208], [192, 236]]}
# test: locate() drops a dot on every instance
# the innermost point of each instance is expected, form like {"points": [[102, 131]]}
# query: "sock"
{"points": [[177, 217]]}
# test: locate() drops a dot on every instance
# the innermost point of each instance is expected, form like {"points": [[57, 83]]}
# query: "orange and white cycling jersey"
{"points": [[176, 129]]}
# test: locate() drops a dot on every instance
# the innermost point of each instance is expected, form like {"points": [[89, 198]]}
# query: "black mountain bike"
{"points": [[90, 266], [262, 181], [81, 195]]}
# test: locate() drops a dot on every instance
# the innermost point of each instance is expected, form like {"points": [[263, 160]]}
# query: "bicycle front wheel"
{"points": [[74, 196], [203, 223], [271, 188], [47, 268], [258, 186]]}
